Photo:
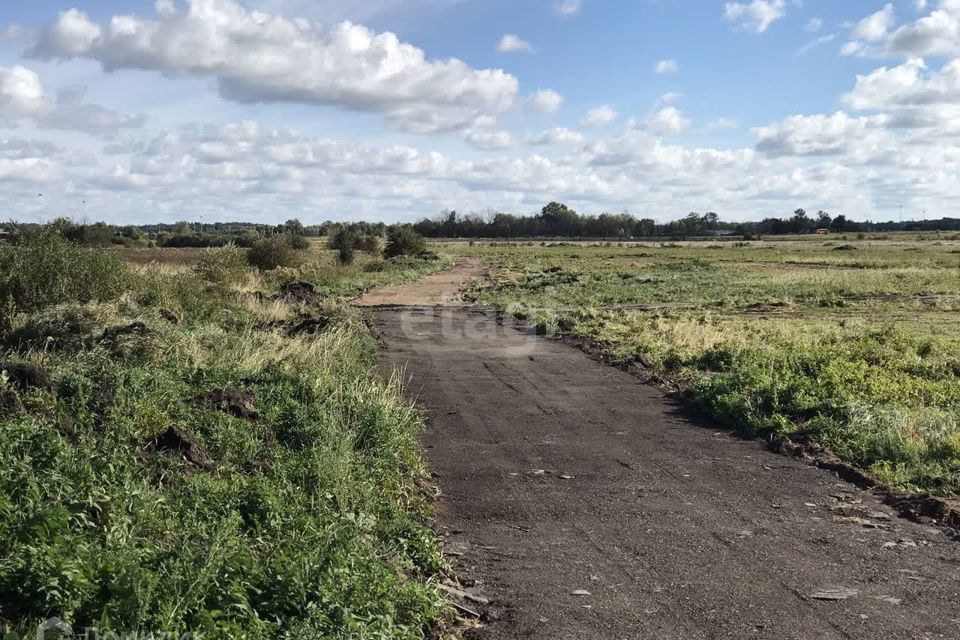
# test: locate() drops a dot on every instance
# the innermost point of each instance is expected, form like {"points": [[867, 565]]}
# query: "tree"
{"points": [[823, 220], [293, 227], [800, 221]]}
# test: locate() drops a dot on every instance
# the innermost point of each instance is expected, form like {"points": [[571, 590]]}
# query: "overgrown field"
{"points": [[852, 344], [205, 449]]}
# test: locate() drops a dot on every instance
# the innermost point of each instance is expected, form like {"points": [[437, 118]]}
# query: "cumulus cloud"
{"points": [[912, 95], [23, 97], [937, 33], [817, 134], [545, 100], [490, 140], [511, 43], [666, 120], [258, 57], [21, 93], [666, 66], [599, 116], [756, 16], [558, 135]]}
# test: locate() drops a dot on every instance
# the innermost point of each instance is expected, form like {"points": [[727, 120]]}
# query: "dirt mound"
{"points": [[169, 315], [927, 509], [293, 292], [111, 334], [184, 444], [28, 376], [233, 401]]}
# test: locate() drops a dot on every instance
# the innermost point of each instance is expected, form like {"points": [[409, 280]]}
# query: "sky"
{"points": [[264, 110]]}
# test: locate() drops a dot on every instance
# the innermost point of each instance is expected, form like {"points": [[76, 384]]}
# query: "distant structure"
{"points": [[823, 232], [719, 233]]}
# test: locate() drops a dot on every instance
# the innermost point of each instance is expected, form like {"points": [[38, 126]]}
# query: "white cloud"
{"points": [[818, 134], [545, 100], [937, 33], [558, 135], [490, 140], [511, 43], [875, 26], [666, 66], [568, 7], [21, 93], [911, 95], [599, 116], [257, 57], [814, 25], [756, 16], [666, 120], [24, 98]]}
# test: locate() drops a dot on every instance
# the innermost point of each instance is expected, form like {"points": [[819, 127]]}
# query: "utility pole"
{"points": [[40, 204]]}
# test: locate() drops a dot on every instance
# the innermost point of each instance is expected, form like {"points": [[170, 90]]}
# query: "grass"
{"points": [[129, 502], [854, 344]]}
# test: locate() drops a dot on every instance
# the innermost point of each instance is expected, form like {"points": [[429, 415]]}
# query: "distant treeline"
{"points": [[558, 220]]}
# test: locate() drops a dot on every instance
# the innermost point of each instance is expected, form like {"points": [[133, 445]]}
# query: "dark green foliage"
{"points": [[344, 242], [272, 252], [402, 240]]}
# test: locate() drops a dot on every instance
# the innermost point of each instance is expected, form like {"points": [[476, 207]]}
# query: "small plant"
{"points": [[272, 252], [225, 265], [402, 240]]}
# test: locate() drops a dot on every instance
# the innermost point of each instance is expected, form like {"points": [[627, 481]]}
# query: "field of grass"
{"points": [[854, 344], [221, 458]]}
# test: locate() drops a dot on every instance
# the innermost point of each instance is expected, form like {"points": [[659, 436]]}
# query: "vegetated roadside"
{"points": [[858, 349], [206, 449]]}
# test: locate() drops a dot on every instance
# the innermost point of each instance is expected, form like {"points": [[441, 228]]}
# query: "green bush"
{"points": [[225, 265], [299, 242], [49, 270], [402, 240], [272, 252], [369, 244], [344, 242]]}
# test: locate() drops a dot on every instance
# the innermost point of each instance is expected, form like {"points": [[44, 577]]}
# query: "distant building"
{"points": [[823, 232]]}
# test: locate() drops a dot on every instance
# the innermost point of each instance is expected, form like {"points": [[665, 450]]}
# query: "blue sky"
{"points": [[268, 109]]}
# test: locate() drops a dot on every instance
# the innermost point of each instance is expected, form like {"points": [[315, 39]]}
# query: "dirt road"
{"points": [[439, 288], [588, 505]]}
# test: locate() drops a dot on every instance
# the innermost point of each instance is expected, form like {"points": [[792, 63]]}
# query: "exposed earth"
{"points": [[578, 502], [439, 288]]}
